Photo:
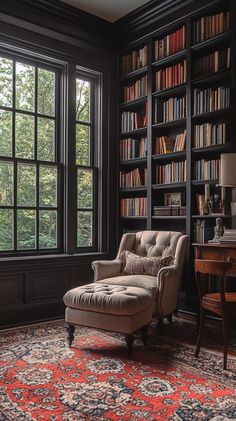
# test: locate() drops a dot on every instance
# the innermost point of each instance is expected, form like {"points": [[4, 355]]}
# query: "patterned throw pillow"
{"points": [[137, 265]]}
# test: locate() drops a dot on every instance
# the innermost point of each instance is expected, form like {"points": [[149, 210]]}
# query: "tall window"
{"points": [[36, 210], [29, 161], [86, 173]]}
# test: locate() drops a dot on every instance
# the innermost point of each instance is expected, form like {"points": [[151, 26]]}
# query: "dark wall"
{"points": [[31, 289]]}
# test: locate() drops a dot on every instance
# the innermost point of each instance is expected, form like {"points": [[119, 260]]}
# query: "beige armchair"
{"points": [[126, 303], [163, 287]]}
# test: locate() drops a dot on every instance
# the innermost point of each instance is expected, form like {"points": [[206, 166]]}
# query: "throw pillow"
{"points": [[137, 265]]}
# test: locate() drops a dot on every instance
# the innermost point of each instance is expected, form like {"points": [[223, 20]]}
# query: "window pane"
{"points": [[6, 183], [6, 67], [47, 229], [46, 139], [25, 86], [84, 188], [24, 136], [84, 229], [46, 92], [26, 228], [47, 186], [6, 229], [26, 185], [82, 145], [83, 92], [5, 133]]}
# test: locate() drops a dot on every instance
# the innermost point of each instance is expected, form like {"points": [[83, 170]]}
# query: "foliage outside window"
{"points": [[29, 168]]}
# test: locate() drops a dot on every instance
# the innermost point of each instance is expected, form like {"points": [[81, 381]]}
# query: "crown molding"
{"points": [[61, 17], [153, 15]]}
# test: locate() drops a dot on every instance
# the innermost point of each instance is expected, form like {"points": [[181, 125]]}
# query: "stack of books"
{"points": [[229, 236], [169, 210]]}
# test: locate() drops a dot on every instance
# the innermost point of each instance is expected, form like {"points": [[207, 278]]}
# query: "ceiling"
{"points": [[110, 10]]}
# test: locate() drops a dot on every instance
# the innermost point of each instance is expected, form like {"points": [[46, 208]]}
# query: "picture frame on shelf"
{"points": [[172, 199], [200, 203]]}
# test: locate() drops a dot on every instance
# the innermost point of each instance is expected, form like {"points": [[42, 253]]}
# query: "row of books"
{"points": [[136, 90], [133, 206], [206, 170], [133, 121], [170, 44], [175, 172], [167, 144], [202, 231], [134, 178], [134, 60], [133, 148], [211, 99], [170, 109], [229, 236], [169, 210], [171, 76], [210, 26], [209, 134], [212, 63]]}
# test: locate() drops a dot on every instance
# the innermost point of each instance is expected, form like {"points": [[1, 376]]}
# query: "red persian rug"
{"points": [[42, 379]]}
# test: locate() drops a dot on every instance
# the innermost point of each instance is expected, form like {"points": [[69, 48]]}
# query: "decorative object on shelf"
{"points": [[218, 231], [227, 173], [172, 199]]}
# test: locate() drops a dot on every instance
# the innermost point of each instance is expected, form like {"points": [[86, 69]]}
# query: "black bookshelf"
{"points": [[191, 188]]}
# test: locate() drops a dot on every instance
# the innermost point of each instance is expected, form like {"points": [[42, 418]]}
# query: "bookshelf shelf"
{"points": [[212, 216], [134, 217], [203, 182], [221, 38], [133, 161], [169, 217], [211, 78], [138, 132], [133, 189], [211, 149], [211, 115], [176, 90], [170, 59], [169, 124], [136, 102], [168, 186], [134, 74], [169, 156]]}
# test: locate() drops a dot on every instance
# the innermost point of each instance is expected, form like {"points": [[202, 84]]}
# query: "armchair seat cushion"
{"points": [[109, 299], [140, 281]]}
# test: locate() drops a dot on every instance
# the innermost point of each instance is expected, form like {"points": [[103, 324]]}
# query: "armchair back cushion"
{"points": [[150, 243]]}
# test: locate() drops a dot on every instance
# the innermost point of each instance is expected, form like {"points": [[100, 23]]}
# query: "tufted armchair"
{"points": [[165, 285]]}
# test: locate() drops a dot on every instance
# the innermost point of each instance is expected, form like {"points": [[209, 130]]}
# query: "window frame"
{"points": [[65, 153], [46, 63], [94, 79]]}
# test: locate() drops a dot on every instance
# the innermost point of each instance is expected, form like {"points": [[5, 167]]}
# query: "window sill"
{"points": [[51, 257]]}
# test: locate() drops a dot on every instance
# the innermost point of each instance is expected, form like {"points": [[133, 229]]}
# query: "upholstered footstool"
{"points": [[116, 308]]}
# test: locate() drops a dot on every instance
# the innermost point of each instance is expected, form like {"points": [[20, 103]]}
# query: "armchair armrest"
{"points": [[106, 269], [168, 283]]}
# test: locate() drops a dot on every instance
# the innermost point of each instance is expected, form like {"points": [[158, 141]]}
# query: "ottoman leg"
{"points": [[144, 334], [129, 339], [70, 331]]}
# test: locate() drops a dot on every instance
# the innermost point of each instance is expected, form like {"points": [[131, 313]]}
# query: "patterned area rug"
{"points": [[42, 379]]}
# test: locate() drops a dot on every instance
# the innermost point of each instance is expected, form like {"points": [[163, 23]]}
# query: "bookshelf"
{"points": [[180, 124]]}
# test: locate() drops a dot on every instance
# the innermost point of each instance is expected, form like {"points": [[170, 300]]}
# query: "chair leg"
{"points": [[200, 332], [160, 323], [70, 331], [144, 334], [129, 339], [225, 340]]}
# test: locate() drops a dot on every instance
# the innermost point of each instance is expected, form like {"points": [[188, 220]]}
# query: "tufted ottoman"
{"points": [[123, 309]]}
